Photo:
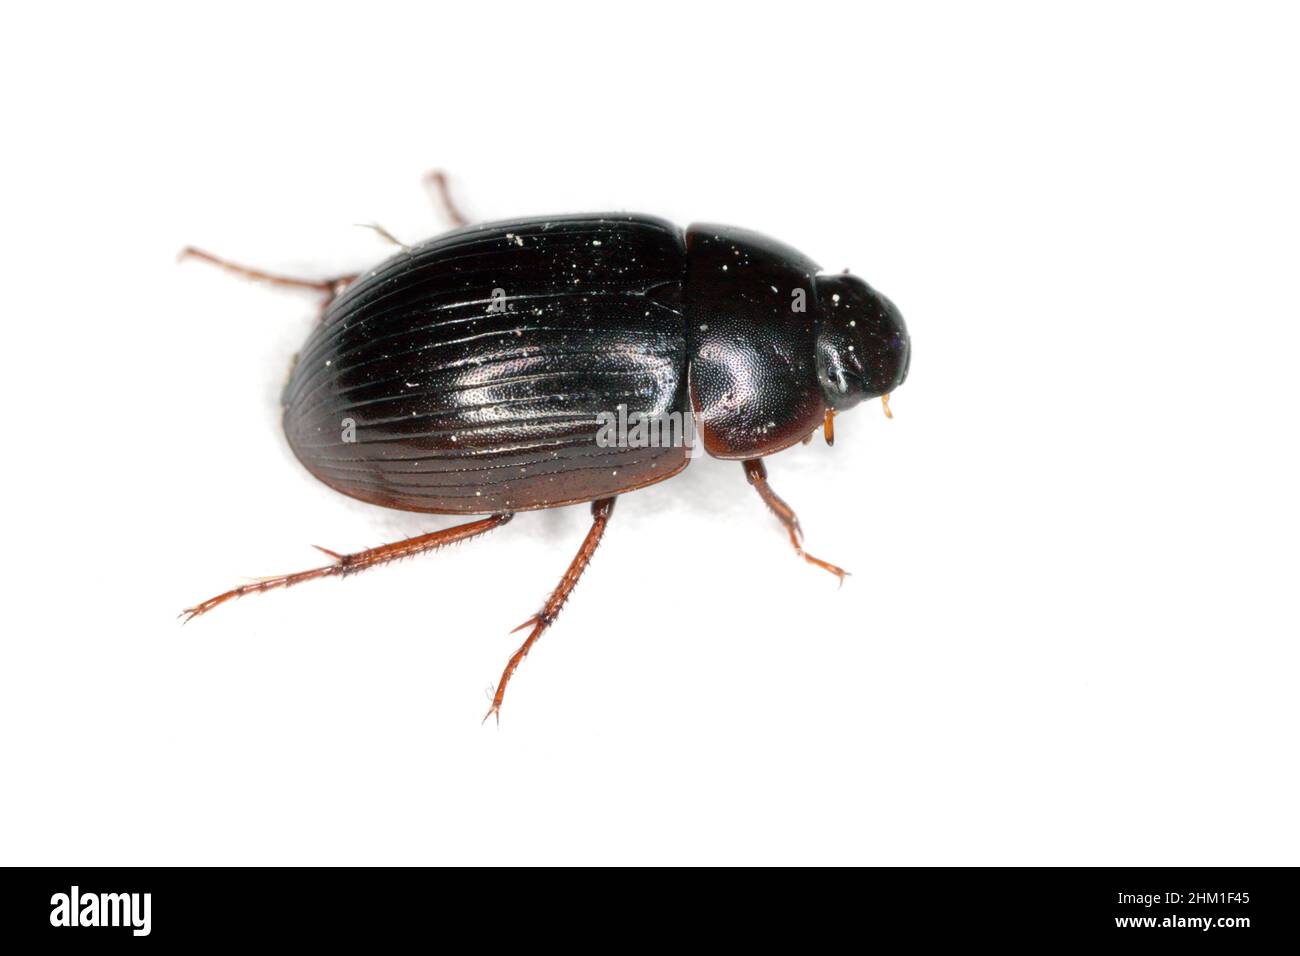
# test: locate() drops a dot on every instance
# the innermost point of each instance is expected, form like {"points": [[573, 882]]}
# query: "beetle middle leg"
{"points": [[351, 563], [756, 472], [539, 622], [331, 288]]}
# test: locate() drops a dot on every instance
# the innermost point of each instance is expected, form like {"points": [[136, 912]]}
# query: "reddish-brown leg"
{"points": [[756, 472], [330, 288], [539, 622], [351, 563], [436, 181]]}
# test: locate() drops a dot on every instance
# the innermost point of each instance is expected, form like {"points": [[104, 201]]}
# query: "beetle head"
{"points": [[863, 349]]}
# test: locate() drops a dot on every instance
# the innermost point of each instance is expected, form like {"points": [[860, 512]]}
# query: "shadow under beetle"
{"points": [[467, 374]]}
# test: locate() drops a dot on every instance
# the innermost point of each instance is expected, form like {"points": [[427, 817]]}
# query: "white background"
{"points": [[1071, 632]]}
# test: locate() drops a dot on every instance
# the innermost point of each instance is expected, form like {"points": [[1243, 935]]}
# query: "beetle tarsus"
{"points": [[600, 512], [836, 570]]}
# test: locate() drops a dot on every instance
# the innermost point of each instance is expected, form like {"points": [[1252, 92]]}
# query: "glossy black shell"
{"points": [[457, 400], [753, 374]]}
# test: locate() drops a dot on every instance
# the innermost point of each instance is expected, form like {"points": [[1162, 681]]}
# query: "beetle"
{"points": [[468, 375]]}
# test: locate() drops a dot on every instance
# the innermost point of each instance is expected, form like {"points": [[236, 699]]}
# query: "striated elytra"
{"points": [[473, 374]]}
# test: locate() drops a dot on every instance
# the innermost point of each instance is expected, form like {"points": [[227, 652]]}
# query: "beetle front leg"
{"points": [[756, 472], [539, 622], [330, 287]]}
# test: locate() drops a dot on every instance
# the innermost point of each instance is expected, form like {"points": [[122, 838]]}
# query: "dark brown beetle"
{"points": [[484, 371]]}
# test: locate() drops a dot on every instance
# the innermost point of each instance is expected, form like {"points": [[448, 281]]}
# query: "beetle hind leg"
{"points": [[756, 472], [330, 288], [539, 622], [436, 182], [351, 563]]}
